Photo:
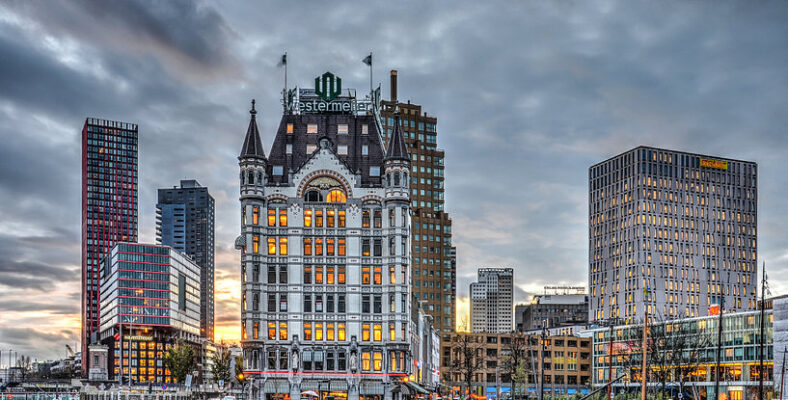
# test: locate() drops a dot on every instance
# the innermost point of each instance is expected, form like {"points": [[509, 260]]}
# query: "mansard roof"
{"points": [[289, 151]]}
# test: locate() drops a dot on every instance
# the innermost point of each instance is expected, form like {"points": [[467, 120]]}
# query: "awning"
{"points": [[310, 385], [571, 391], [416, 388], [371, 387], [276, 386]]}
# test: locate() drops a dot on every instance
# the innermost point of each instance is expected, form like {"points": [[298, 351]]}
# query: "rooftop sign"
{"points": [[327, 98], [716, 164]]}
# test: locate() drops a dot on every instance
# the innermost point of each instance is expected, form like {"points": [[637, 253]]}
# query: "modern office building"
{"points": [[150, 298], [492, 301], [434, 267], [185, 222], [109, 207], [671, 233], [567, 364], [554, 310], [325, 250], [693, 369]]}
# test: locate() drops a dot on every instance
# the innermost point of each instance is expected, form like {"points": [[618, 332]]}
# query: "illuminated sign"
{"points": [[326, 98], [714, 309], [139, 338], [716, 164]]}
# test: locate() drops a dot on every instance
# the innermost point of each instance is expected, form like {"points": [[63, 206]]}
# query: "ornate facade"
{"points": [[325, 249]]}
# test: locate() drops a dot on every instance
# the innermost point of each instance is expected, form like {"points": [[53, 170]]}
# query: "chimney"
{"points": [[394, 85]]}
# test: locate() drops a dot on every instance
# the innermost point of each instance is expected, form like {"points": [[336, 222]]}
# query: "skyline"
{"points": [[600, 79]]}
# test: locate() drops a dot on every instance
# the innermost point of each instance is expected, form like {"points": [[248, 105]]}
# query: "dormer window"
{"points": [[325, 189]]}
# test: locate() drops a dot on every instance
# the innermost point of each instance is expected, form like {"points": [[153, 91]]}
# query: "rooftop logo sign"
{"points": [[331, 86]]}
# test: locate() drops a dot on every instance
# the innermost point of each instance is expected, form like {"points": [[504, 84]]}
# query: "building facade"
{"points": [[567, 364], [492, 299], [109, 207], [696, 364], [150, 298], [325, 250], [185, 222], [434, 257], [554, 310], [671, 233]]}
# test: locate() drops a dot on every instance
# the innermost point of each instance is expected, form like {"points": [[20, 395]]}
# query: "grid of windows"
{"points": [[671, 233]]}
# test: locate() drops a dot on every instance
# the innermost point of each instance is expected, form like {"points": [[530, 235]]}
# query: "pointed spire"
{"points": [[253, 146], [397, 149]]}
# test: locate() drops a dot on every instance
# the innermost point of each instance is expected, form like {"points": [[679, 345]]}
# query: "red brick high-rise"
{"points": [[109, 207]]}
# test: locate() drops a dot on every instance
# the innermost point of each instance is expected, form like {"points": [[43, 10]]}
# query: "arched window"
{"points": [[396, 179], [336, 196], [250, 178], [405, 179], [313, 195]]}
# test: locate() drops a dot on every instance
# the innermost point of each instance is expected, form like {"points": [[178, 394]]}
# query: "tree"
{"points": [[515, 359], [25, 365], [180, 359], [239, 368], [220, 368], [467, 358]]}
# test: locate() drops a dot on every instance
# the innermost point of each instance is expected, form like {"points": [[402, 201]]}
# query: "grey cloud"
{"points": [[527, 96]]}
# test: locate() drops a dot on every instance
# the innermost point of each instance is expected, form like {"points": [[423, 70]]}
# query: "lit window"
{"points": [[330, 218], [378, 361], [342, 247], [271, 330], [271, 246], [365, 279], [330, 247], [330, 332], [318, 247], [283, 246], [272, 217], [378, 333], [365, 361], [307, 218], [365, 332], [283, 330], [283, 217], [341, 275], [392, 332], [307, 331], [342, 129], [289, 128], [255, 215], [342, 150], [365, 129], [310, 148], [256, 244], [318, 331], [311, 128], [341, 331], [341, 223], [319, 274], [378, 276], [336, 196], [318, 218], [307, 246]]}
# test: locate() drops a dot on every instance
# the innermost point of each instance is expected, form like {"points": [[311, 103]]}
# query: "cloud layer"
{"points": [[527, 97]]}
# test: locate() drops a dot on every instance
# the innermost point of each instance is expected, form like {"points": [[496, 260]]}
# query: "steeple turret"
{"points": [[252, 161], [253, 146], [397, 149]]}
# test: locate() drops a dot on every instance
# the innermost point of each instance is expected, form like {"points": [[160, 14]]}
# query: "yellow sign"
{"points": [[716, 164]]}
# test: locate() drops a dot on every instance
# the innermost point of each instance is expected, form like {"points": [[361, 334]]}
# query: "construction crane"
{"points": [[71, 351]]}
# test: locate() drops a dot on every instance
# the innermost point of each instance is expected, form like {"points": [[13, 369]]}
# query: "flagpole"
{"points": [[285, 58], [782, 375], [370, 74]]}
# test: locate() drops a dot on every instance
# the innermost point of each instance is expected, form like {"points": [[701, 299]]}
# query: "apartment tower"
{"points": [[185, 222], [671, 233], [492, 299], [109, 207], [434, 258]]}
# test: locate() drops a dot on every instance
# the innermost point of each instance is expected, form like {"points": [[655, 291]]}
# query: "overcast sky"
{"points": [[527, 96]]}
